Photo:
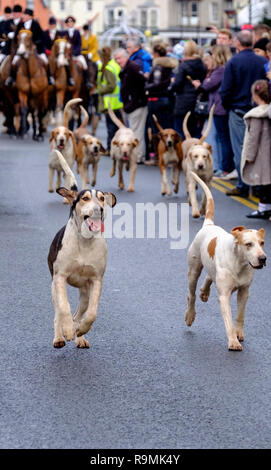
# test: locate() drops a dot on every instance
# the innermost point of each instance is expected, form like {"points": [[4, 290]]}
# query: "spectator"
{"points": [[133, 97], [224, 38], [108, 86], [211, 84], [256, 155], [241, 72], [157, 88], [261, 31], [139, 55], [259, 47], [185, 99]]}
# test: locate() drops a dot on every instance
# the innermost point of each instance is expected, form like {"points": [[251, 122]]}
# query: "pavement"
{"points": [[147, 381]]}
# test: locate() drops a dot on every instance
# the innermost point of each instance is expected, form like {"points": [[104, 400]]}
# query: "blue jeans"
{"points": [[237, 129], [224, 143]]}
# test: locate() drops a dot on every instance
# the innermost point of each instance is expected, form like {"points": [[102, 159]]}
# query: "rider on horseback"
{"points": [[28, 23], [75, 40]]}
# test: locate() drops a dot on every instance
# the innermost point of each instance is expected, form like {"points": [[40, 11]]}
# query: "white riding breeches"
{"points": [[42, 56], [82, 60]]}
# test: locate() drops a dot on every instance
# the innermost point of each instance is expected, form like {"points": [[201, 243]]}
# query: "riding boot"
{"points": [[87, 82], [70, 80], [12, 78], [50, 78]]}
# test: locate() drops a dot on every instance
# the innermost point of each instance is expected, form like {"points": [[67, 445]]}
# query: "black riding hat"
{"points": [[17, 9], [29, 12]]}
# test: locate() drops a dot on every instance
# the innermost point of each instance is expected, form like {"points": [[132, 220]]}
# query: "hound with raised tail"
{"points": [[169, 153], [230, 260], [77, 257], [124, 151], [89, 150], [61, 139]]}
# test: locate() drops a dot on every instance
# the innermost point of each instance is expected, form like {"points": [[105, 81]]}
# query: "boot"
{"points": [[50, 78], [70, 80], [12, 78], [88, 84]]}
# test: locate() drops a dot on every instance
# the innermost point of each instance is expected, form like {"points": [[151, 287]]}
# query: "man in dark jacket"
{"points": [[133, 97], [50, 35], [241, 72]]}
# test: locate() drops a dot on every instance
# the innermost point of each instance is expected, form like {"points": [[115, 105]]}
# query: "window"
{"points": [[184, 9], [111, 17], [194, 9], [89, 6], [120, 13], [62, 5], [214, 12], [153, 20], [143, 18], [30, 4]]}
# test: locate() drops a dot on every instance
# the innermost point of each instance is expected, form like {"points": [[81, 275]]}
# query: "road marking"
{"points": [[243, 201], [231, 186]]}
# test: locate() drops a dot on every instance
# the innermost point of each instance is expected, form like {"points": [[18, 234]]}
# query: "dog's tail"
{"points": [[86, 118], [72, 183], [67, 110], [114, 118], [157, 123], [205, 134], [185, 128], [210, 206]]}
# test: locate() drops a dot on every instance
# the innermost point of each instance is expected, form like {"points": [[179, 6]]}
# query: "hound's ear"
{"points": [[115, 142], [261, 232], [208, 147], [177, 137], [68, 194], [52, 136], [237, 232], [135, 142], [189, 155], [70, 133], [111, 199], [102, 149]]}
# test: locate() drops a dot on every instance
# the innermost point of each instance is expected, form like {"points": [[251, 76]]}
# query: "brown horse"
{"points": [[60, 59], [32, 84], [10, 105]]}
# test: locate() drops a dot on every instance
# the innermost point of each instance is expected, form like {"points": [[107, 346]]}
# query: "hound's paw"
{"points": [[59, 343], [204, 295], [190, 317], [130, 189], [68, 331], [121, 186], [176, 188], [82, 342], [195, 214], [93, 182], [112, 173], [234, 345], [50, 190], [240, 333]]}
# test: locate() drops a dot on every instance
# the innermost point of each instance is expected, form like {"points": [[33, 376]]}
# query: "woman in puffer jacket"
{"points": [[193, 68], [158, 96], [156, 88]]}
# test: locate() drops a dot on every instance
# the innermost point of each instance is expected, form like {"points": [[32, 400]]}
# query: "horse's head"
{"points": [[24, 43], [62, 51]]}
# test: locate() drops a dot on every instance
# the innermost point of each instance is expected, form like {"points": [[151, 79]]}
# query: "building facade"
{"points": [[82, 10]]}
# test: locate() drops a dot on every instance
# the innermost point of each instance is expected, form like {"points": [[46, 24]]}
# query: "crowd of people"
{"points": [[231, 73]]}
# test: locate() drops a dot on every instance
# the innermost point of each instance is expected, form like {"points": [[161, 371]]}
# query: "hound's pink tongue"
{"points": [[96, 226]]}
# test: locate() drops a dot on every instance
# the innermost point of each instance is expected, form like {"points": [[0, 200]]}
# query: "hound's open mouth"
{"points": [[60, 146], [260, 266], [94, 225], [125, 157]]}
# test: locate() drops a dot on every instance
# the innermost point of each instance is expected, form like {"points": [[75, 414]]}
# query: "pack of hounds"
{"points": [[78, 253]]}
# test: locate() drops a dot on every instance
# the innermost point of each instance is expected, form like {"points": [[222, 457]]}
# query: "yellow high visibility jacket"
{"points": [[103, 85]]}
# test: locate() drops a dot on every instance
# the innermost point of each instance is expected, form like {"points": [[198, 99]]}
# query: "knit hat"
{"points": [[261, 44]]}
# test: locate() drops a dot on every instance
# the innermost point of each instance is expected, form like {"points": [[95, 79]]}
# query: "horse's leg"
{"points": [[24, 111], [34, 124], [60, 95], [41, 114]]}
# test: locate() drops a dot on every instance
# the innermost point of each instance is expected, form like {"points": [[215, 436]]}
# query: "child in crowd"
{"points": [[256, 154]]}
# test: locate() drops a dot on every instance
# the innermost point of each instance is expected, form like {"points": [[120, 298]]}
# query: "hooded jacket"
{"points": [[186, 94], [256, 154], [160, 76]]}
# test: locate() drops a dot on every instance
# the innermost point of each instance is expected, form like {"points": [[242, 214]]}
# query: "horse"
{"points": [[10, 105], [60, 58], [32, 84]]}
